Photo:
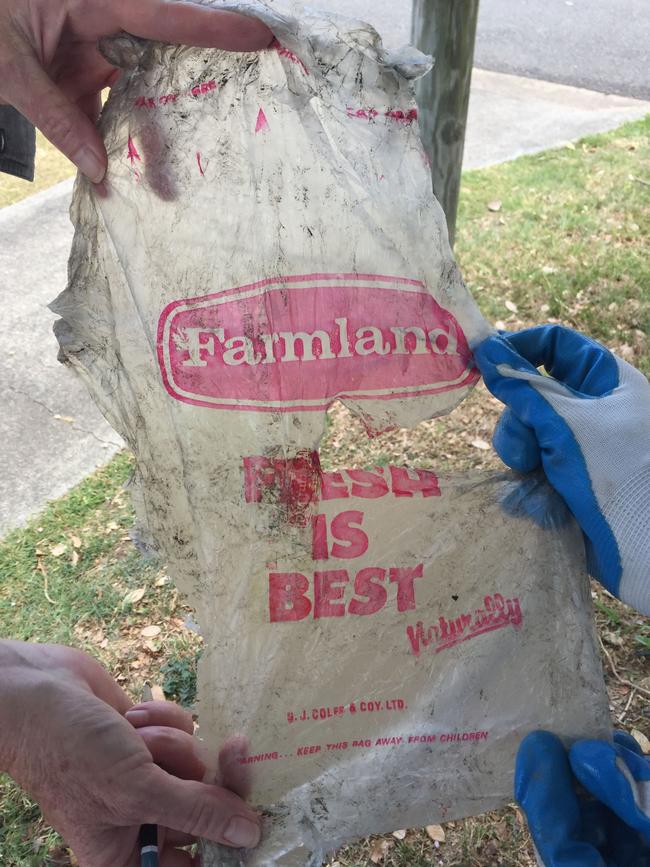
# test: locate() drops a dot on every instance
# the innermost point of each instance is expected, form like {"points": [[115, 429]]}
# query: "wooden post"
{"points": [[445, 29]]}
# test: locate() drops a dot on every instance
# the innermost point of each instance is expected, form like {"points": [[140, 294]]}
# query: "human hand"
{"points": [[65, 739], [588, 425], [609, 826], [52, 71]]}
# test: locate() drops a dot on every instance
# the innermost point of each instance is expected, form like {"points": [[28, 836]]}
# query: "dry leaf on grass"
{"points": [[76, 541], [152, 647], [641, 740], [626, 352], [490, 850], [157, 693], [61, 856], [134, 596], [521, 819], [59, 549], [150, 631], [160, 582], [494, 206], [480, 444], [75, 557], [436, 832], [379, 850], [511, 306]]}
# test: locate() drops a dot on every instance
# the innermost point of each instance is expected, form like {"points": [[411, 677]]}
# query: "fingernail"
{"points": [[90, 164], [137, 718], [242, 833]]}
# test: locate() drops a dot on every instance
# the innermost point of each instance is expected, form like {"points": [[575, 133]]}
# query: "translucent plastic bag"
{"points": [[268, 243]]}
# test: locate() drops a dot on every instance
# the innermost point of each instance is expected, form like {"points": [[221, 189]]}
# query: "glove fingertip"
{"points": [[591, 752], [544, 788], [616, 776], [539, 753], [625, 740], [595, 764]]}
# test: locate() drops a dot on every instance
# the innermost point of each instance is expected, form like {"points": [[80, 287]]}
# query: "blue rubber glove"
{"points": [[606, 826], [587, 425]]}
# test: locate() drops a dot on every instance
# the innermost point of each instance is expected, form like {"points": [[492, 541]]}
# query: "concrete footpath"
{"points": [[51, 435]]}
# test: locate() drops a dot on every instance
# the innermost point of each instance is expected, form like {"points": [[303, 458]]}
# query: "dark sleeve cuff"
{"points": [[17, 144]]}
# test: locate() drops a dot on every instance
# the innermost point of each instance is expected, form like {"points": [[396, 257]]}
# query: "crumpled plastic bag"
{"points": [[268, 243]]}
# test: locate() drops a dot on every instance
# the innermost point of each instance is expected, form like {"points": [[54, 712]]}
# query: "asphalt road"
{"points": [[602, 45], [598, 44]]}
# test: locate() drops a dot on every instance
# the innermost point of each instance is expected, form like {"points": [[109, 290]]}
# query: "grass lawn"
{"points": [[51, 167], [562, 235]]}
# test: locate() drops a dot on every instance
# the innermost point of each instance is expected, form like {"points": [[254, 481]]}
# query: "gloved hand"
{"points": [[588, 425], [574, 830]]}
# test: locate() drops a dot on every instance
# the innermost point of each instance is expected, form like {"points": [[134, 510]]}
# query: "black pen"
{"points": [[148, 839], [149, 846]]}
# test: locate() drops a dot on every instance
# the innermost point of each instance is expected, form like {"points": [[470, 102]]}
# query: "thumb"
{"points": [[545, 791], [60, 120], [618, 777], [516, 443], [202, 811]]}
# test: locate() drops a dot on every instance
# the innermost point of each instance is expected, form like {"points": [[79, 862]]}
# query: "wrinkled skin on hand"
{"points": [[100, 767], [53, 73]]}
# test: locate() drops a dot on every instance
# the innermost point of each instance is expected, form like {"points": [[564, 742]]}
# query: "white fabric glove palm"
{"points": [[588, 425]]}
